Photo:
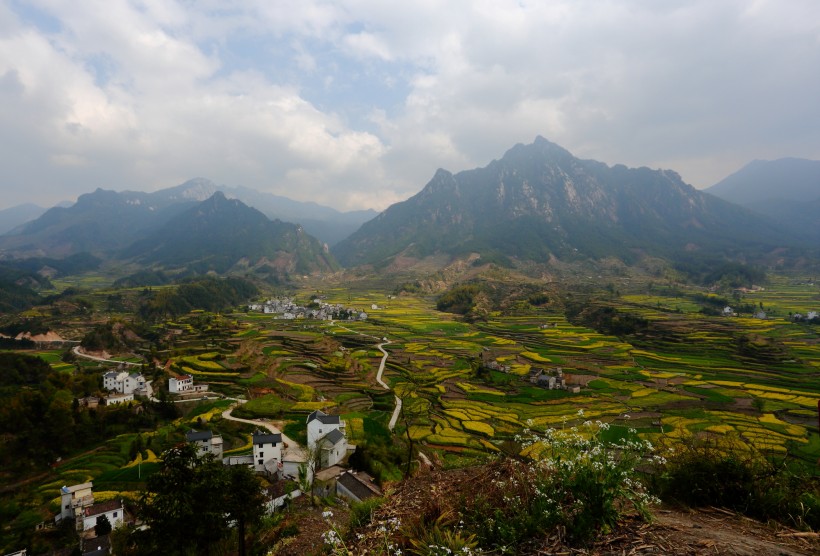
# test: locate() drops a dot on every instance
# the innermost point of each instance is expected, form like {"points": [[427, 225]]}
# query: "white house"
{"points": [[74, 498], [125, 383], [319, 424], [115, 399], [180, 384], [267, 452], [206, 442], [333, 447], [112, 510]]}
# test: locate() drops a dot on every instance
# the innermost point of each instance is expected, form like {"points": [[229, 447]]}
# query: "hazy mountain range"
{"points": [[537, 203], [105, 221], [786, 190]]}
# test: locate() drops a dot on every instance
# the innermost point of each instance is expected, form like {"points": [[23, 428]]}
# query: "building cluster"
{"points": [[285, 308], [811, 316], [124, 386], [327, 447], [77, 503], [552, 379]]}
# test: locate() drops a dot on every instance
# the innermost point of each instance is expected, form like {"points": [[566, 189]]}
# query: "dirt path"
{"points": [[397, 409], [293, 452], [77, 350]]}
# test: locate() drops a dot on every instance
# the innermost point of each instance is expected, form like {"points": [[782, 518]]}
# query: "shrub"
{"points": [[572, 481], [703, 472]]}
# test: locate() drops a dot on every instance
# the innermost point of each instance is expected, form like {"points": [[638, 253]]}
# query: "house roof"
{"points": [[260, 437], [330, 473], [334, 437], [196, 436], [75, 488], [323, 418], [361, 487], [102, 507]]}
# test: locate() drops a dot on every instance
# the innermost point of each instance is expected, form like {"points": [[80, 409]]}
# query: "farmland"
{"points": [[747, 382]]}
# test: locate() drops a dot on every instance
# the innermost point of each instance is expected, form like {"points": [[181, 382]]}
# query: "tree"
{"points": [[103, 526], [190, 504], [244, 501]]}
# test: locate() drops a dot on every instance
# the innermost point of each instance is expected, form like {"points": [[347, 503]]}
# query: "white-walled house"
{"points": [[333, 447], [206, 442], [125, 383], [179, 384], [74, 498], [112, 509], [319, 424], [267, 452]]}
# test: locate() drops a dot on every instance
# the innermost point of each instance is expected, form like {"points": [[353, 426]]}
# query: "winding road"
{"points": [[293, 452], [395, 417], [78, 353], [397, 410]]}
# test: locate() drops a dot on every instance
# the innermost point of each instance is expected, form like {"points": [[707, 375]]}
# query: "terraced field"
{"points": [[749, 382]]}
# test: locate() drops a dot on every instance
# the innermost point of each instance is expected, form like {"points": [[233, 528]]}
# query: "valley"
{"points": [[655, 361]]}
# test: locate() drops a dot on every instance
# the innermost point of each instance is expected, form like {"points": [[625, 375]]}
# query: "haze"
{"points": [[355, 104]]}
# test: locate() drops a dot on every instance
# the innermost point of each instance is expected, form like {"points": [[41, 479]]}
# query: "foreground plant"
{"points": [[571, 482]]}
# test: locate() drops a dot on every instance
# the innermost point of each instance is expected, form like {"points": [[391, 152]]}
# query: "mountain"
{"points": [[325, 223], [105, 221], [786, 190], [539, 202], [12, 217], [221, 234], [99, 223]]}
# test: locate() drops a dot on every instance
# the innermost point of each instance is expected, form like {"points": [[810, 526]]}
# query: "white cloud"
{"points": [[357, 103]]}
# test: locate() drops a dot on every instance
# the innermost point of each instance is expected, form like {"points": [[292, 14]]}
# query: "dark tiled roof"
{"points": [[196, 436], [324, 418], [266, 438], [359, 486], [335, 436]]}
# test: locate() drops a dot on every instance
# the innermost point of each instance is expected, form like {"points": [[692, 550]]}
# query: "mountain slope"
{"points": [[539, 202], [786, 190], [105, 221], [12, 217], [99, 222], [221, 235]]}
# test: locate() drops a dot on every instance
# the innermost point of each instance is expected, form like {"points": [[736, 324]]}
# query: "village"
{"points": [[286, 309], [290, 470]]}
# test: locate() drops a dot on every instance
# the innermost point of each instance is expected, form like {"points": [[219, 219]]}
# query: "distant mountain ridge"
{"points": [[104, 221], [786, 190], [539, 201], [12, 217], [223, 235]]}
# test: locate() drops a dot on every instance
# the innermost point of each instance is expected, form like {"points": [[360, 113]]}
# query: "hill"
{"points": [[786, 190], [221, 234], [12, 217], [100, 223], [539, 202], [106, 221]]}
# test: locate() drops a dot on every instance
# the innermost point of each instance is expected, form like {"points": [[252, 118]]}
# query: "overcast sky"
{"points": [[355, 104]]}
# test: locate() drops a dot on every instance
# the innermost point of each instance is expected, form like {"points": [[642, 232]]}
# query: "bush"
{"points": [[573, 480], [705, 473]]}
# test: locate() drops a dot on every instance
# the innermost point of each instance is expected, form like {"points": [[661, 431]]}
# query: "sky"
{"points": [[355, 104]]}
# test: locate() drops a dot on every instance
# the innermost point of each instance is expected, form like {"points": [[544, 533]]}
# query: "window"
{"points": [[260, 462], [261, 454], [115, 514], [260, 445]]}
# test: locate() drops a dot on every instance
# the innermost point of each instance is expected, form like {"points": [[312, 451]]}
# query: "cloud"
{"points": [[357, 103]]}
